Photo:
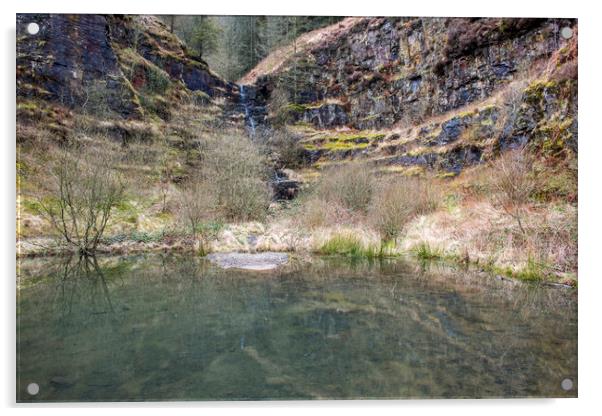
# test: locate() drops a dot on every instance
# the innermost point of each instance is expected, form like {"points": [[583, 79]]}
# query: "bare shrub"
{"points": [[513, 182], [84, 188], [237, 172], [350, 185], [399, 200], [285, 148], [198, 204], [318, 213]]}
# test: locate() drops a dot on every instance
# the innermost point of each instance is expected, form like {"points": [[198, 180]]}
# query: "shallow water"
{"points": [[174, 328]]}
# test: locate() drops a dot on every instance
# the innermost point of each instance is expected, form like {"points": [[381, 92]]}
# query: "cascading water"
{"points": [[245, 102]]}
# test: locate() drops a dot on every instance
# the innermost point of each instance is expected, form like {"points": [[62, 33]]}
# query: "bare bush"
{"points": [[237, 172], [350, 185], [398, 201], [514, 181], [286, 149], [84, 189], [318, 213], [198, 204]]}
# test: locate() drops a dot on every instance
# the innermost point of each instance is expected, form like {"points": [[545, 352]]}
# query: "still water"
{"points": [[159, 327]]}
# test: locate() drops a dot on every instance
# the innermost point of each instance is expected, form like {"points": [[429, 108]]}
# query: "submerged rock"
{"points": [[62, 382], [249, 261]]}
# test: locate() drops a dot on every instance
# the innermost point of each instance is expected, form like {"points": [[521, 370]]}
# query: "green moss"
{"points": [[344, 141], [466, 114], [289, 113], [295, 108], [535, 91], [27, 106], [447, 175], [370, 117], [555, 131], [414, 171], [344, 145]]}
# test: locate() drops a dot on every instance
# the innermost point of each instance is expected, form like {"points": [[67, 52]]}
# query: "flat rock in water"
{"points": [[249, 261]]}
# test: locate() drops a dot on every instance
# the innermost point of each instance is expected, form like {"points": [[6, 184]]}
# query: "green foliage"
{"points": [[209, 229], [532, 272], [243, 41], [157, 80], [350, 245], [425, 252], [205, 35]]}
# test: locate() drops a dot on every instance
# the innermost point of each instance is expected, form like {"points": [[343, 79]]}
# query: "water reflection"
{"points": [[168, 327]]}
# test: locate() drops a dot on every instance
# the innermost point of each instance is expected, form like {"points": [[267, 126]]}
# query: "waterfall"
{"points": [[246, 104]]}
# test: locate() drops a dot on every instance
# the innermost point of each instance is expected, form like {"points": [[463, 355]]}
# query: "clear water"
{"points": [[177, 328]]}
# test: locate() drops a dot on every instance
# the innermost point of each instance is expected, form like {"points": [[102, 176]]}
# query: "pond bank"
{"points": [[427, 238]]}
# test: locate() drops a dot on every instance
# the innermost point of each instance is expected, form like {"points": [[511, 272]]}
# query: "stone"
{"points": [[62, 382], [249, 261]]}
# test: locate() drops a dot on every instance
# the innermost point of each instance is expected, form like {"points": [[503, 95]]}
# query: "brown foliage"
{"points": [[514, 182], [398, 201]]}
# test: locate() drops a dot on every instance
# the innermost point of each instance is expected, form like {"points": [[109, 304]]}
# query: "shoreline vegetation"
{"points": [[357, 242], [531, 272], [513, 217]]}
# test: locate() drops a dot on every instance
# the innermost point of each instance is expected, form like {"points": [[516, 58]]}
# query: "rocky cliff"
{"points": [[405, 94], [133, 64], [438, 92]]}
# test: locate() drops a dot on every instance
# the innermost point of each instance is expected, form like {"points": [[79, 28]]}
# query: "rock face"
{"points": [[454, 91], [441, 93], [126, 63], [389, 69]]}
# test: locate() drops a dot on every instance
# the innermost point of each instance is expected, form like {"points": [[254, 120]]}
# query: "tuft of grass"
{"points": [[425, 252], [351, 246], [532, 272]]}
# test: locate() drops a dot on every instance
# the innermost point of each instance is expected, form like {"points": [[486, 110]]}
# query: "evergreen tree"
{"points": [[233, 45]]}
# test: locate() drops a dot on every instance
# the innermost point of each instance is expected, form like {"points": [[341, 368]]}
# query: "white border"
{"points": [[590, 154]]}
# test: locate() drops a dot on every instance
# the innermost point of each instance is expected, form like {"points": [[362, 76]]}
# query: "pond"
{"points": [[175, 327]]}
